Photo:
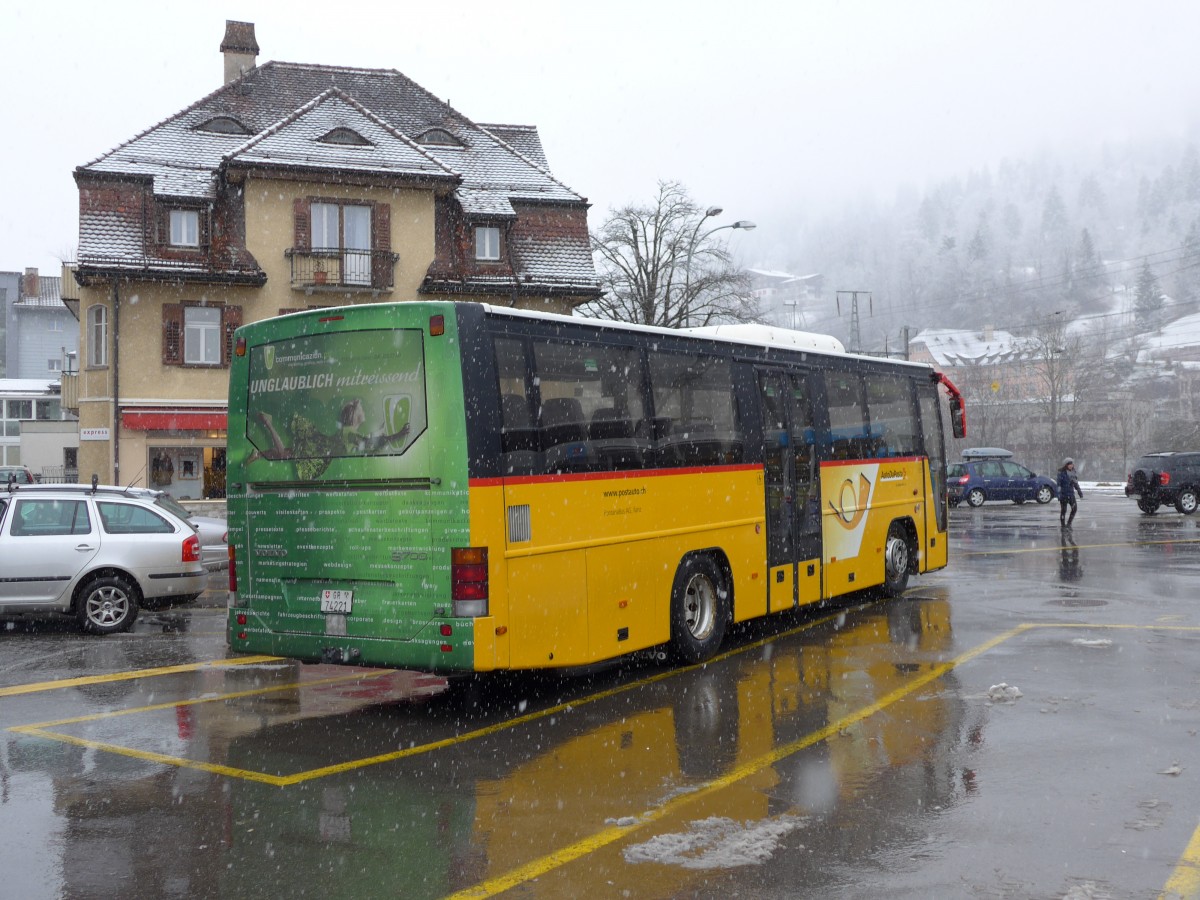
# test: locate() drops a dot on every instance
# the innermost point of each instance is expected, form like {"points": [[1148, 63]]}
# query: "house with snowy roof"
{"points": [[290, 187], [988, 356]]}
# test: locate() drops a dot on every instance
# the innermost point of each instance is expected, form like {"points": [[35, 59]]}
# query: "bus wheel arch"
{"points": [[701, 603], [899, 556]]}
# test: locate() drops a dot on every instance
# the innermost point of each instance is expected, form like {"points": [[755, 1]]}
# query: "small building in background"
{"points": [[39, 340]]}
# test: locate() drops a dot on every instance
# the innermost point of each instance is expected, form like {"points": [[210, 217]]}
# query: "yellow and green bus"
{"points": [[458, 487]]}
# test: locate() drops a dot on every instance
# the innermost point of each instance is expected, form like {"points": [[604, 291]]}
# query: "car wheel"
{"points": [[107, 604], [1044, 494], [699, 609], [896, 555], [1148, 506], [1186, 501], [976, 497]]}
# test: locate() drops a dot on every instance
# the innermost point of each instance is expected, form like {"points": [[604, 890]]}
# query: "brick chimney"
{"points": [[29, 284], [240, 49]]}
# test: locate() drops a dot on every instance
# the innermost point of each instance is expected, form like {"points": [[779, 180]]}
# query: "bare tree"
{"points": [[1071, 377], [659, 266]]}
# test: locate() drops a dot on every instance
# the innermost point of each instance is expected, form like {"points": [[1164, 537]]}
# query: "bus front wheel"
{"points": [[699, 609], [896, 556]]}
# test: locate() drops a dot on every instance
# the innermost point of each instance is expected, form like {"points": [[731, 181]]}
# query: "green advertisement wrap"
{"points": [[347, 394]]}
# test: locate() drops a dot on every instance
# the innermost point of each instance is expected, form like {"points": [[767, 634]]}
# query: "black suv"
{"points": [[1170, 477]]}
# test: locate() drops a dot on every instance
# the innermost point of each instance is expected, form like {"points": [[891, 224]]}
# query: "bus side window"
{"points": [[519, 439], [893, 413], [696, 393], [520, 444], [847, 416]]}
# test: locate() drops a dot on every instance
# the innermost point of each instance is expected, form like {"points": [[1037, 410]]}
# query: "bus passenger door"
{"points": [[791, 486], [807, 482]]}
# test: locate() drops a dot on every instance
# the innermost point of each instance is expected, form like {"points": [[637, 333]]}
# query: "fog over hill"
{"points": [[1055, 234]]}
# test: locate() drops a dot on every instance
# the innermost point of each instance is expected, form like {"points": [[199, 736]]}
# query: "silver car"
{"points": [[213, 531], [96, 552]]}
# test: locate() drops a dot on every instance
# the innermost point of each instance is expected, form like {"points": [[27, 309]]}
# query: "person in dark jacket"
{"points": [[1068, 487]]}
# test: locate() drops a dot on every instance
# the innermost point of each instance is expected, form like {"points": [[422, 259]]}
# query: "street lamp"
{"points": [[743, 224]]}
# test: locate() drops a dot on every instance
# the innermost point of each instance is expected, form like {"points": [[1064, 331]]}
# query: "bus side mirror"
{"points": [[958, 407], [958, 419]]}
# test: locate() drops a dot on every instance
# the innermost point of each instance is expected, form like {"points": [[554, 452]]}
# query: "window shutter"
{"points": [[162, 225], [172, 330], [382, 268], [302, 214], [231, 321]]}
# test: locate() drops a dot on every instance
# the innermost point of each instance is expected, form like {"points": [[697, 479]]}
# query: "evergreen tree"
{"points": [[1089, 280], [1054, 216], [1148, 299]]}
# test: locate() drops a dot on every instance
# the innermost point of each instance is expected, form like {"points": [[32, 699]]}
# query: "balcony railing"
{"points": [[370, 270]]}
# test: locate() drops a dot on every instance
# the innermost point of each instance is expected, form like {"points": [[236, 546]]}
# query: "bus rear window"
{"points": [[348, 394]]}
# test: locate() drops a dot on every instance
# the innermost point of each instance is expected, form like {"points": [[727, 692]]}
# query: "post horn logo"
{"points": [[849, 504]]}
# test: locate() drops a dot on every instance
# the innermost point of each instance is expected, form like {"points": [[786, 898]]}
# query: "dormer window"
{"points": [[185, 228], [487, 242], [223, 125], [346, 137], [439, 137]]}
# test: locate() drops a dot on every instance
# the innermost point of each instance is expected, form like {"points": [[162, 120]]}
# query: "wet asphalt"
{"points": [[1022, 724]]}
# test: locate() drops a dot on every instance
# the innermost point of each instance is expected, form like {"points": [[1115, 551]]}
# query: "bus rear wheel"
{"points": [[699, 609]]}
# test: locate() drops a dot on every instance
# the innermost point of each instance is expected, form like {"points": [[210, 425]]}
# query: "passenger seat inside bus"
{"points": [[520, 444], [564, 435], [515, 411], [613, 440]]}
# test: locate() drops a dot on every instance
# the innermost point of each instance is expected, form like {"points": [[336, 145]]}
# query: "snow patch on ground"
{"points": [[1004, 693], [716, 843], [1098, 642]]}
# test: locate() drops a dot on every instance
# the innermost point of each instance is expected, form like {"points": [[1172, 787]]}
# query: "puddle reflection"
{"points": [[693, 746]]}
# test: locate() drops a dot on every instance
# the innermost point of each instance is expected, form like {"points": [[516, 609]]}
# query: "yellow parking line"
{"points": [[35, 687], [40, 729], [361, 675], [539, 867], [149, 756], [1185, 880]]}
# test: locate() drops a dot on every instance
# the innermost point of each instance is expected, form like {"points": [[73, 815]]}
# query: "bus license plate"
{"points": [[336, 601]]}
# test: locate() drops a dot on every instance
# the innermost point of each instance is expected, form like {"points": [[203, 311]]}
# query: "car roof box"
{"points": [[986, 453]]}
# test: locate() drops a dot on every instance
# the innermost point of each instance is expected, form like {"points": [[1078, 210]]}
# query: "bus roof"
{"points": [[735, 333]]}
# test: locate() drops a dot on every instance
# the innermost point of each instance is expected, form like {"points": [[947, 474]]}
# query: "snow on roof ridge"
{"points": [[326, 95], [517, 153], [270, 64]]}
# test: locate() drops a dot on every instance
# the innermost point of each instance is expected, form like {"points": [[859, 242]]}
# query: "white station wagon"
{"points": [[96, 552]]}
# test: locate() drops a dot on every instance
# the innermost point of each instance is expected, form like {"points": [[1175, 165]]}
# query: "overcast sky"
{"points": [[763, 108]]}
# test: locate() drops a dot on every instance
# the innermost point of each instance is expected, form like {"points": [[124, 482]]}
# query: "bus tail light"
{"points": [[191, 548], [469, 581], [234, 600]]}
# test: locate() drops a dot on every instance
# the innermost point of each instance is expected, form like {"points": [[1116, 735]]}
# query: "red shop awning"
{"points": [[174, 419]]}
